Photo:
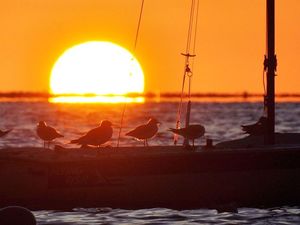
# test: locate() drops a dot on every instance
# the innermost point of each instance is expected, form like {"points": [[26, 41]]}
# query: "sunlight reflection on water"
{"points": [[221, 120], [96, 99]]}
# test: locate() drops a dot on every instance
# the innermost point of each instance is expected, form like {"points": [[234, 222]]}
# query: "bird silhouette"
{"points": [[3, 133], [257, 128], [190, 132], [145, 131], [96, 136], [47, 133]]}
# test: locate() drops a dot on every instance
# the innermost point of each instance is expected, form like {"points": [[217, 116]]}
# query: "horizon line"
{"points": [[32, 94]]}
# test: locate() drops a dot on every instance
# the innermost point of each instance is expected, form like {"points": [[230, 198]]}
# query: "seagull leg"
{"points": [[44, 144], [147, 143], [193, 142]]}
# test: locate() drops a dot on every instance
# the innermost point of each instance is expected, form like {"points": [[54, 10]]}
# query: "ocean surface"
{"points": [[222, 121]]}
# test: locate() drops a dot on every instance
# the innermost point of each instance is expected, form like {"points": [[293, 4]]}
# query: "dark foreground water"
{"points": [[221, 120], [282, 215]]}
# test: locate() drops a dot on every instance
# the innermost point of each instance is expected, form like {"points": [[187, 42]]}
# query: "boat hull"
{"points": [[170, 177]]}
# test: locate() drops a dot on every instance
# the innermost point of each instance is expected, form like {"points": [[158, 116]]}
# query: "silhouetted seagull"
{"points": [[191, 132], [3, 133], [257, 128], [47, 133], [144, 132], [96, 136]]}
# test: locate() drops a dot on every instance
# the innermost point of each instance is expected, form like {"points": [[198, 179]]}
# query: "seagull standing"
{"points": [[191, 132], [144, 132], [257, 128], [96, 136], [3, 133], [47, 133]]}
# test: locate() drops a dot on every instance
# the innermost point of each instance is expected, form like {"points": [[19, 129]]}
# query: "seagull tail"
{"points": [[173, 130], [5, 132], [74, 141], [129, 133]]}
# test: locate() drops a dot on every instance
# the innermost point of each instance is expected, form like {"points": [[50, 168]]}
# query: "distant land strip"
{"points": [[148, 95]]}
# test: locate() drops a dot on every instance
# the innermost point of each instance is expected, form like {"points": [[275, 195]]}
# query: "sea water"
{"points": [[221, 120]]}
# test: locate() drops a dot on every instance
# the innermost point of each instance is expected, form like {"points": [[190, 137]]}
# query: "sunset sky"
{"points": [[230, 41]]}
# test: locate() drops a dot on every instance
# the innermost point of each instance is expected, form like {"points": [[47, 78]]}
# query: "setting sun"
{"points": [[95, 67]]}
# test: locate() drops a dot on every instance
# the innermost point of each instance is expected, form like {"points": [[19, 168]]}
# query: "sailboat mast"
{"points": [[271, 66]]}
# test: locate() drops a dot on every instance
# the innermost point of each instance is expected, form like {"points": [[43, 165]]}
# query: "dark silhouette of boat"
{"points": [[257, 171], [145, 177]]}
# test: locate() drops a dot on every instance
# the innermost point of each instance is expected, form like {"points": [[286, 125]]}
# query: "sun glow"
{"points": [[99, 68]]}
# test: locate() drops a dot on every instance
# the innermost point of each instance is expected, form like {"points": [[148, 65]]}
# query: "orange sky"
{"points": [[230, 44]]}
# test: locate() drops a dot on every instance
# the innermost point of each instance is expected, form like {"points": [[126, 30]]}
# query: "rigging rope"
{"points": [[196, 26], [190, 27], [134, 50], [195, 33], [194, 49], [138, 26], [187, 70]]}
